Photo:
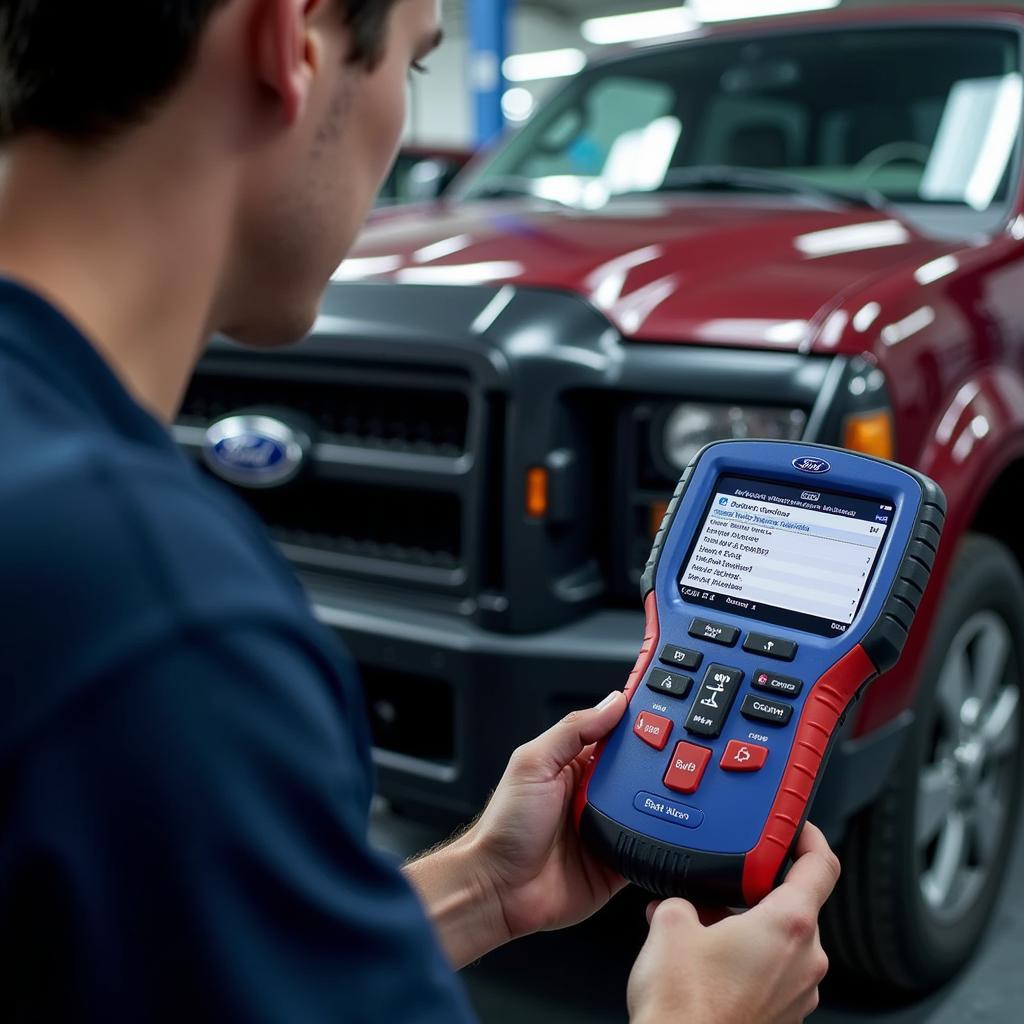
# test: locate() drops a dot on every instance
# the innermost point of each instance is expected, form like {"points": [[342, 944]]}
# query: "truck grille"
{"points": [[365, 521], [392, 477], [398, 418]]}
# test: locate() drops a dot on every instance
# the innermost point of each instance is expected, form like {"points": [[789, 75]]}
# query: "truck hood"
{"points": [[750, 271]]}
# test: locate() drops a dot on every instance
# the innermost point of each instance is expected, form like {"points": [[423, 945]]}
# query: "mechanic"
{"points": [[185, 775]]}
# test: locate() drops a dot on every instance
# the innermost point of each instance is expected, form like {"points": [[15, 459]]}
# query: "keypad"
{"points": [[708, 713]]}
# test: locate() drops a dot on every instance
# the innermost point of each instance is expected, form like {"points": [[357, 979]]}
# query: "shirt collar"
{"points": [[50, 344]]}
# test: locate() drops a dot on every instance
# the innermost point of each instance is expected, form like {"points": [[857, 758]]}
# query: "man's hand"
{"points": [[527, 844], [764, 965], [521, 867]]}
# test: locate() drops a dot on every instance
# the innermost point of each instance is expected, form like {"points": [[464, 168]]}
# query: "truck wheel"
{"points": [[923, 866]]}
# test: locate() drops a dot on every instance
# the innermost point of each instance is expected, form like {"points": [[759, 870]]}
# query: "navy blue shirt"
{"points": [[184, 759]]}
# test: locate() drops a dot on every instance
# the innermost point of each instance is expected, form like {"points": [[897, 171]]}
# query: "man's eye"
{"points": [[419, 68]]}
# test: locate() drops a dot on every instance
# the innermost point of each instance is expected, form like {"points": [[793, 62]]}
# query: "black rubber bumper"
{"points": [[664, 870]]}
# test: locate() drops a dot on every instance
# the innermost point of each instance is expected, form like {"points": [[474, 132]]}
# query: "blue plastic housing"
{"points": [[730, 808]]}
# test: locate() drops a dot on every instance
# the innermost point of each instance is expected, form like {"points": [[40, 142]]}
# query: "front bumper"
{"points": [[429, 673]]}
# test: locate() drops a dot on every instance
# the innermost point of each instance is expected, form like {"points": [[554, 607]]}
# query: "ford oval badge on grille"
{"points": [[255, 450], [809, 465]]}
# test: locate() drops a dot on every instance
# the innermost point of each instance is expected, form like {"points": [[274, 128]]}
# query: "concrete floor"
{"points": [[579, 976]]}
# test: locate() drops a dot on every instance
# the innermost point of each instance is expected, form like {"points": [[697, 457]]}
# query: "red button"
{"points": [[687, 767], [652, 729], [743, 757]]}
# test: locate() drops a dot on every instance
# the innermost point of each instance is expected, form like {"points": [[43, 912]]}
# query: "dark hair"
{"points": [[82, 69]]}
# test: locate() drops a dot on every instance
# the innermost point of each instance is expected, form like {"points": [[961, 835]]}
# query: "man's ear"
{"points": [[287, 51]]}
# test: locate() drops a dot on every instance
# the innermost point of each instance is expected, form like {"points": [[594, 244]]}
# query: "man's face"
{"points": [[305, 198]]}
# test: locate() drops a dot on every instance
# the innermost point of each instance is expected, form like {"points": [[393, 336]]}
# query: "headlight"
{"points": [[690, 426]]}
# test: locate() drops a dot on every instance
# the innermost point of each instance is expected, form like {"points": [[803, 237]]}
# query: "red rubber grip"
{"points": [[825, 705], [652, 632]]}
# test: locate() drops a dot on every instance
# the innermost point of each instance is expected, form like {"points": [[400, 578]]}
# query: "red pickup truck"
{"points": [[809, 228]]}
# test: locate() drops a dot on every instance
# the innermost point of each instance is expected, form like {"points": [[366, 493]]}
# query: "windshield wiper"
{"points": [[752, 179]]}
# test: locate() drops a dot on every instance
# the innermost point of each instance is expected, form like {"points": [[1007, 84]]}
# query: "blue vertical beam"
{"points": [[488, 48]]}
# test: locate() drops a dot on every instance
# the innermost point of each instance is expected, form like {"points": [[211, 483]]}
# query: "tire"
{"points": [[902, 920]]}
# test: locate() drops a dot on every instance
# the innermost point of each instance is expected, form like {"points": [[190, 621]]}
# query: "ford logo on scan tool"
{"points": [[808, 465], [255, 450]]}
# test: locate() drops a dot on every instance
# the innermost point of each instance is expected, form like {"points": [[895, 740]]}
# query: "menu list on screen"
{"points": [[795, 557]]}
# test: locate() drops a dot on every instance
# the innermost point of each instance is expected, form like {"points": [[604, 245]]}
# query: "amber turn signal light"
{"points": [[870, 433], [537, 492]]}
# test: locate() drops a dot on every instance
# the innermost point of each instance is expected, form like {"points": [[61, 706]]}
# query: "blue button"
{"points": [[659, 807]]}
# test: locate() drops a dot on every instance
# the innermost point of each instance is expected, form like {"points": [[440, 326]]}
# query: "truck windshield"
{"points": [[929, 117]]}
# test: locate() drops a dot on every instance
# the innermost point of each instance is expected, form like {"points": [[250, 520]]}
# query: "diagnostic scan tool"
{"points": [[784, 578]]}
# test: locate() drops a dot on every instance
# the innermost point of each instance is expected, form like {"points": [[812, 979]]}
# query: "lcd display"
{"points": [[795, 557]]}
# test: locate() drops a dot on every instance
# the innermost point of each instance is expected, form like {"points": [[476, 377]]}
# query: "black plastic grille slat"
{"points": [[392, 524], [408, 419]]}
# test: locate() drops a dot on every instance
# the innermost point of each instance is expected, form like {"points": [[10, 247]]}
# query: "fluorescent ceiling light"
{"points": [[517, 103], [624, 28], [731, 10], [530, 67]]}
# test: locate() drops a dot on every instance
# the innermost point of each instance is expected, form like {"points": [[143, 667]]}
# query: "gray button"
{"points": [[669, 683], [770, 646], [713, 700], [704, 629], [764, 710], [680, 657]]}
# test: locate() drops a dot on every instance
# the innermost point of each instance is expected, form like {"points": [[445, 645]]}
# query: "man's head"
{"points": [[300, 102]]}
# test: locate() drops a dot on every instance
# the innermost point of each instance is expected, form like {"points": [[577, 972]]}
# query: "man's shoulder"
{"points": [[97, 535], [105, 486], [110, 555]]}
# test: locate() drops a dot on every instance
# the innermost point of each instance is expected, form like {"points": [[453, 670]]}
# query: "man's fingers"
{"points": [[672, 913], [813, 875], [562, 743], [811, 839], [713, 915]]}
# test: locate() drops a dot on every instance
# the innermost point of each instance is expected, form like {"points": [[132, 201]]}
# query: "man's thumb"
{"points": [[564, 741]]}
